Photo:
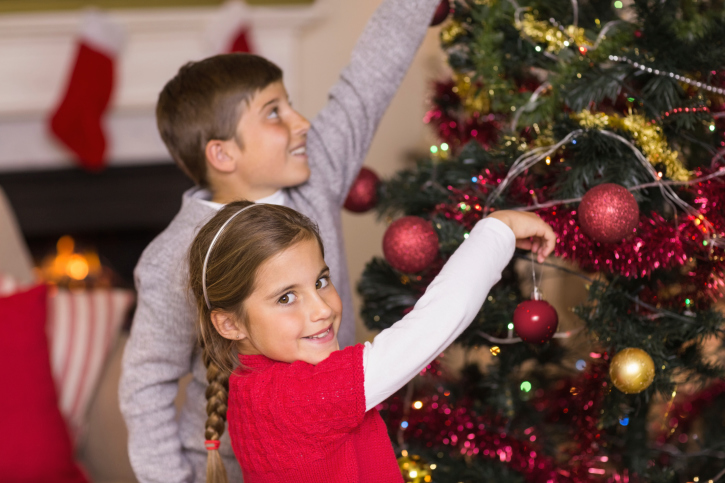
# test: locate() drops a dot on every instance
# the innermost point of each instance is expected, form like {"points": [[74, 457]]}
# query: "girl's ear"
{"points": [[228, 326]]}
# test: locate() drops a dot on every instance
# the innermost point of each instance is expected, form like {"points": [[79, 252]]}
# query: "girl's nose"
{"points": [[320, 310]]}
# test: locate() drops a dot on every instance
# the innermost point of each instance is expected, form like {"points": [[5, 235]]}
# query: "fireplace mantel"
{"points": [[37, 51]]}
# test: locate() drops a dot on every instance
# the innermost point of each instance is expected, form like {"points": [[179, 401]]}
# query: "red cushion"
{"points": [[35, 445]]}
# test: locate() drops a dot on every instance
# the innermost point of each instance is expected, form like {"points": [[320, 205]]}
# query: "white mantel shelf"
{"points": [[37, 51]]}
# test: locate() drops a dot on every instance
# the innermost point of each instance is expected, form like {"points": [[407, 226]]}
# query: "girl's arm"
{"points": [[448, 306]]}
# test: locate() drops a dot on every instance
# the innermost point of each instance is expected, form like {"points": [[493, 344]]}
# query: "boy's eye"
{"points": [[287, 298], [322, 282], [274, 113]]}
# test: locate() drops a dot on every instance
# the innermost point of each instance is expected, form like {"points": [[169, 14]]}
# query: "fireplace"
{"points": [[116, 212]]}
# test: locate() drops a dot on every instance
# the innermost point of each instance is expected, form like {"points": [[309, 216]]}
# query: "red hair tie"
{"points": [[211, 444]]}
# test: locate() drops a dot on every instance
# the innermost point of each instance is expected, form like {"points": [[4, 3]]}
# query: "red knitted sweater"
{"points": [[303, 423]]}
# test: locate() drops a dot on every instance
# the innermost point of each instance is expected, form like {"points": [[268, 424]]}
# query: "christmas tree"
{"points": [[608, 121]]}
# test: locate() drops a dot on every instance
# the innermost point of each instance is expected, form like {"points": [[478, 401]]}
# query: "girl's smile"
{"points": [[323, 336]]}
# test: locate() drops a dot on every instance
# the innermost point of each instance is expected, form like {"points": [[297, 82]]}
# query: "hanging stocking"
{"points": [[230, 29], [77, 122]]}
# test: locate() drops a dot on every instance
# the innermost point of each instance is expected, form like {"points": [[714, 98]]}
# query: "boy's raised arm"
{"points": [[157, 355], [342, 132]]}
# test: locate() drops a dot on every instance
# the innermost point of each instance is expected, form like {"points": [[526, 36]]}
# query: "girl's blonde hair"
{"points": [[244, 245]]}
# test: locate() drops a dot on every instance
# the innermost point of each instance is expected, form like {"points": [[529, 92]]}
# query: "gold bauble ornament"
{"points": [[414, 469], [632, 370]]}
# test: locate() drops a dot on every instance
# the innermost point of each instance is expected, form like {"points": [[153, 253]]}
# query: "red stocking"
{"points": [[77, 122]]}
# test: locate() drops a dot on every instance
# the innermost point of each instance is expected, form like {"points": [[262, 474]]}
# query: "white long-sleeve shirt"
{"points": [[448, 306]]}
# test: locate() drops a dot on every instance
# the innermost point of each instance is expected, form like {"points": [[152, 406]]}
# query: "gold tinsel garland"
{"points": [[473, 97], [543, 32], [647, 135], [451, 32]]}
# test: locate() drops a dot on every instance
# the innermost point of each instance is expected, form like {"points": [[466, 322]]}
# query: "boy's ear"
{"points": [[222, 155], [228, 326]]}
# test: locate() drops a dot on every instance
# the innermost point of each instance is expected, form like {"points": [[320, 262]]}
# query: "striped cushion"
{"points": [[82, 328]]}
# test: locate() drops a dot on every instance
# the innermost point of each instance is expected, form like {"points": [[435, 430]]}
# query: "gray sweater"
{"points": [[162, 347]]}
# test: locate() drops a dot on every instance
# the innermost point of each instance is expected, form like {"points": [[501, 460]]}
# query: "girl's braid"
{"points": [[217, 393]]}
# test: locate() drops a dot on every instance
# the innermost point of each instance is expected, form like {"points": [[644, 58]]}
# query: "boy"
{"points": [[228, 124]]}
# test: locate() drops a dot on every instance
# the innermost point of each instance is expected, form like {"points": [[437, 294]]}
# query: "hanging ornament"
{"points": [[632, 370], [535, 321], [441, 13], [608, 213], [363, 194], [410, 244], [414, 469]]}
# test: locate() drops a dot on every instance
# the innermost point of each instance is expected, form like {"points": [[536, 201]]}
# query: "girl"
{"points": [[299, 409]]}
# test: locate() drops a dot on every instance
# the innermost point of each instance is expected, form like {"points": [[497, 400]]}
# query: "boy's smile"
{"points": [[268, 152]]}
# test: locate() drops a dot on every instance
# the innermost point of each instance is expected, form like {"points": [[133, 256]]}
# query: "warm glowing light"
{"points": [[444, 147], [404, 453], [65, 245], [413, 474], [77, 267], [417, 404], [433, 466], [68, 265], [495, 350]]}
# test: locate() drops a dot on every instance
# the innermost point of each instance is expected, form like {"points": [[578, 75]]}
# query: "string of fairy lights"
{"points": [[664, 73]]}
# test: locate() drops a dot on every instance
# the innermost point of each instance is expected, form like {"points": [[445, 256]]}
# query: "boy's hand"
{"points": [[531, 232]]}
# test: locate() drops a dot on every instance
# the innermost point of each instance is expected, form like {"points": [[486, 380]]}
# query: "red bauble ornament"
{"points": [[608, 213], [444, 8], [410, 244], [363, 194], [535, 321]]}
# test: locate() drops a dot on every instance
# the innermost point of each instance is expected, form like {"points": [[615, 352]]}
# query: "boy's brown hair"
{"points": [[243, 246], [204, 101]]}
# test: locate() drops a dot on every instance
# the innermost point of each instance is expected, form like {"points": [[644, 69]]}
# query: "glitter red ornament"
{"points": [[410, 244], [535, 321], [441, 13], [363, 194], [608, 213]]}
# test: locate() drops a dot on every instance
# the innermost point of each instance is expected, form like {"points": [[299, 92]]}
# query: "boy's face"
{"points": [[294, 312], [273, 150]]}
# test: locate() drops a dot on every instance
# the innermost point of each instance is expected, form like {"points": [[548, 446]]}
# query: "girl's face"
{"points": [[294, 312]]}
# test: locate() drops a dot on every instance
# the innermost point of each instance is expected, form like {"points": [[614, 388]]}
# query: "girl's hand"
{"points": [[531, 232]]}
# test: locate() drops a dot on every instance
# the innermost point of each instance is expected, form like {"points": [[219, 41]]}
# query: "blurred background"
{"points": [[83, 224]]}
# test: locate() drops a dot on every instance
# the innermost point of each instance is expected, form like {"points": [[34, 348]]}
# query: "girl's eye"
{"points": [[287, 298], [322, 283], [274, 113]]}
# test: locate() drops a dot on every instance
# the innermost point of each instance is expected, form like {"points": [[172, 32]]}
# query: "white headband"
{"points": [[211, 246]]}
